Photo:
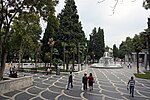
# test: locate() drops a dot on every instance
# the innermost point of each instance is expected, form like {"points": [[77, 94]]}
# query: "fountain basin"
{"points": [[106, 62], [110, 66]]}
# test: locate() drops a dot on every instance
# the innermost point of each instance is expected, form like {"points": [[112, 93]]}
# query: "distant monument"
{"points": [[106, 62]]}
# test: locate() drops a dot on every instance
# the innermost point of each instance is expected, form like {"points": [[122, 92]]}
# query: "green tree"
{"points": [[100, 45], [144, 38], [129, 47], [91, 44], [25, 34], [126, 48], [122, 50], [97, 45], [50, 33], [148, 38], [9, 9], [70, 29], [115, 52], [70, 26], [137, 45]]}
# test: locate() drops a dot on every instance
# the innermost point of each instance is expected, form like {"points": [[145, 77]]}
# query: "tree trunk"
{"points": [[51, 56], [93, 59], [149, 50], [0, 52], [137, 60], [64, 57], [3, 61], [73, 60], [20, 57], [78, 56], [45, 65], [67, 62], [124, 61], [35, 59]]}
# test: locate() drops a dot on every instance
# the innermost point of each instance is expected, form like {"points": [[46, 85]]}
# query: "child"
{"points": [[84, 81], [131, 82]]}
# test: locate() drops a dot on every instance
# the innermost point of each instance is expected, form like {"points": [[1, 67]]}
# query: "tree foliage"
{"points": [[91, 44], [115, 51], [25, 34], [97, 45], [122, 50], [130, 45], [70, 29], [137, 43], [50, 33], [9, 9]]}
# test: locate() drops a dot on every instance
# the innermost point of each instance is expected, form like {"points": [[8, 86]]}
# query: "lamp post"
{"points": [[51, 43], [86, 59]]}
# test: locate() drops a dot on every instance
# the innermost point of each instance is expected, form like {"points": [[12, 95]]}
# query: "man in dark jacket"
{"points": [[70, 80], [84, 81]]}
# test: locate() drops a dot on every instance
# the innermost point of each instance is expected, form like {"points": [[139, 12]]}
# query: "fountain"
{"points": [[106, 62]]}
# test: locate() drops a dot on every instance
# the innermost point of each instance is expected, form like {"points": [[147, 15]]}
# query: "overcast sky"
{"points": [[130, 18]]}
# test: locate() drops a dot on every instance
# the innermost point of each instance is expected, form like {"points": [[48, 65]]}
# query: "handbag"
{"points": [[93, 81]]}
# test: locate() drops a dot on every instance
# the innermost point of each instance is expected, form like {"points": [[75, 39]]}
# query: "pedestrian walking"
{"points": [[70, 80], [84, 81], [131, 85], [90, 81], [129, 65]]}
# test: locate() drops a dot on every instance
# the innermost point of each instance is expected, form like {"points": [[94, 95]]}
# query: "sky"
{"points": [[129, 18]]}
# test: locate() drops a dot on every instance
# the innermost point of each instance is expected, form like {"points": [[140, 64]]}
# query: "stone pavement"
{"points": [[110, 84]]}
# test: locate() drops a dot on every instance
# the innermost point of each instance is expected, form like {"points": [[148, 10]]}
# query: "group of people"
{"points": [[90, 80], [85, 80], [129, 65], [13, 72]]}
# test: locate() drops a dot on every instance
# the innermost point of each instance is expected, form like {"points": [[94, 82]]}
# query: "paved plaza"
{"points": [[110, 84]]}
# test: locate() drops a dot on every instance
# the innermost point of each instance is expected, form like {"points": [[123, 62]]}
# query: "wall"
{"points": [[15, 83]]}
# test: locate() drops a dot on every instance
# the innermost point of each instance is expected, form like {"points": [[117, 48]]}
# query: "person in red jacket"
{"points": [[90, 81]]}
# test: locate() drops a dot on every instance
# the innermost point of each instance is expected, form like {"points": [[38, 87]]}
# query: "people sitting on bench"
{"points": [[13, 72]]}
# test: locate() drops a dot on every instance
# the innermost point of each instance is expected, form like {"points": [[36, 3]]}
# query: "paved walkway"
{"points": [[110, 84]]}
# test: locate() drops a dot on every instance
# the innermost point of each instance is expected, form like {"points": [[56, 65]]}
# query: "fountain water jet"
{"points": [[106, 62]]}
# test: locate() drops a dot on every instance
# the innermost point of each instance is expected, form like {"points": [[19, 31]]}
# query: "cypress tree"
{"points": [[115, 52], [100, 46], [50, 32], [70, 26], [70, 31], [92, 44], [97, 45]]}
